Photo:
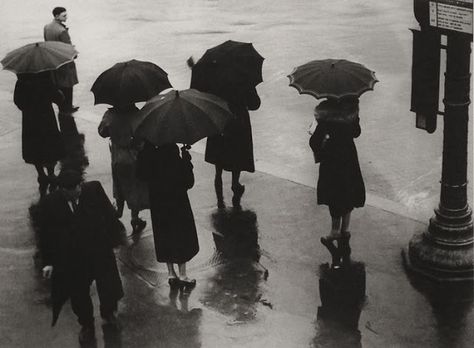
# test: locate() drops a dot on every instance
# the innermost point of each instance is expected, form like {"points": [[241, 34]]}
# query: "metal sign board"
{"points": [[454, 15]]}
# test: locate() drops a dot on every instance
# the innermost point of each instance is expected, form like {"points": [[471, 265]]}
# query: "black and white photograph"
{"points": [[242, 174]]}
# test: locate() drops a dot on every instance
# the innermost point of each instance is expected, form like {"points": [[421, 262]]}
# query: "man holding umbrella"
{"points": [[66, 75]]}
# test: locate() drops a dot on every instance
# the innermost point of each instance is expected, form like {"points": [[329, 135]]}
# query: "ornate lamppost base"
{"points": [[439, 262]]}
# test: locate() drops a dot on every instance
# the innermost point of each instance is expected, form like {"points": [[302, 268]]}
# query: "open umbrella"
{"points": [[38, 57], [231, 65], [129, 82], [332, 78], [182, 117]]}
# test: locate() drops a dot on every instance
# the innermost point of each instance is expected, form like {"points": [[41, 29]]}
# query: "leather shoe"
{"points": [[187, 283], [174, 282]]}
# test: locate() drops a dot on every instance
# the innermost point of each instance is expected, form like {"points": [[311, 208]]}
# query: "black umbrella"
{"points": [[182, 117], [230, 67], [129, 82]]}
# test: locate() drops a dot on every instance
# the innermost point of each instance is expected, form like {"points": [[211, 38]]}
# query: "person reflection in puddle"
{"points": [[234, 289]]}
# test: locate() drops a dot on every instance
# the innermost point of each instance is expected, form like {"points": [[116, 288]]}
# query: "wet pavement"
{"points": [[258, 269], [257, 273]]}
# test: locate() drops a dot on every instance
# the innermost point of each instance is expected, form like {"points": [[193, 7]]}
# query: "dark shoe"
{"points": [[220, 204], [43, 182], [344, 247], [238, 192], [87, 334], [187, 283], [335, 255], [53, 182], [174, 282], [138, 225]]}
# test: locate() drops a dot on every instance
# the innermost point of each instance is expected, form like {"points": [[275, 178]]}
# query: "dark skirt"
{"points": [[233, 150], [41, 140], [340, 183], [174, 230]]}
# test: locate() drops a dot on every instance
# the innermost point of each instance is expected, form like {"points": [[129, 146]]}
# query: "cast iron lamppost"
{"points": [[445, 251]]}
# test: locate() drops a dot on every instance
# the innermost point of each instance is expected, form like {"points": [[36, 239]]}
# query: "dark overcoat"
{"points": [[41, 139], [79, 245], [66, 75], [169, 178], [340, 183], [233, 149]]}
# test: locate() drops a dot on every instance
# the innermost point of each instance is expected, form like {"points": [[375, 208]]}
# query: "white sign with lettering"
{"points": [[452, 17]]}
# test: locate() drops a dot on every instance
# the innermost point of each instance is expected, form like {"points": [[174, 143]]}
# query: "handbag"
{"points": [[318, 143]]}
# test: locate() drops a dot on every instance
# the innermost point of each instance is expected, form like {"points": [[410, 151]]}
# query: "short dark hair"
{"points": [[69, 178], [58, 10]]}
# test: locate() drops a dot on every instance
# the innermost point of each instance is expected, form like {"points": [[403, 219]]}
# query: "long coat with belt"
{"points": [[169, 177], [41, 140], [79, 245], [65, 76]]}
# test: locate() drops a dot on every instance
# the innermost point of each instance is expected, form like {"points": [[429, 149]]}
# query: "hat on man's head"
{"points": [[58, 11], [69, 178]]}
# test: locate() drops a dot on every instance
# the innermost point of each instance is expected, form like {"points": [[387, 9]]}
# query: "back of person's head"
{"points": [[69, 178], [58, 10]]}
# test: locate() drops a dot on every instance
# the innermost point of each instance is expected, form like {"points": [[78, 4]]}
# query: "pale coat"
{"points": [[65, 76]]}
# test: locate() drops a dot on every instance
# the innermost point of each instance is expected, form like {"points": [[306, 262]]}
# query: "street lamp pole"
{"points": [[445, 250]]}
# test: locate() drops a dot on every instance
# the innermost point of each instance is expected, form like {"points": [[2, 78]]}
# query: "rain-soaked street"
{"points": [[258, 269]]}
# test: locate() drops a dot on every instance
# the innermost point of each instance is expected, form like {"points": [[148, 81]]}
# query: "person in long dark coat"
{"points": [[340, 183], [78, 231], [42, 144], [169, 177], [233, 149]]}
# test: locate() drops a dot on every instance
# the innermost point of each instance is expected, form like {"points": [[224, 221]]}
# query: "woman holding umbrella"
{"points": [[177, 117], [340, 183], [34, 94], [122, 86], [169, 177], [231, 71], [117, 124], [42, 144]]}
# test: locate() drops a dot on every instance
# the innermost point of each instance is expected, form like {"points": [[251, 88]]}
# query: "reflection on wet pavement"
{"points": [[233, 289], [150, 316], [452, 306], [342, 293]]}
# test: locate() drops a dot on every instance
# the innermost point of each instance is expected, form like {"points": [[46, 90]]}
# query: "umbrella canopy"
{"points": [[182, 117], [129, 82], [231, 65], [38, 57], [332, 78]]}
